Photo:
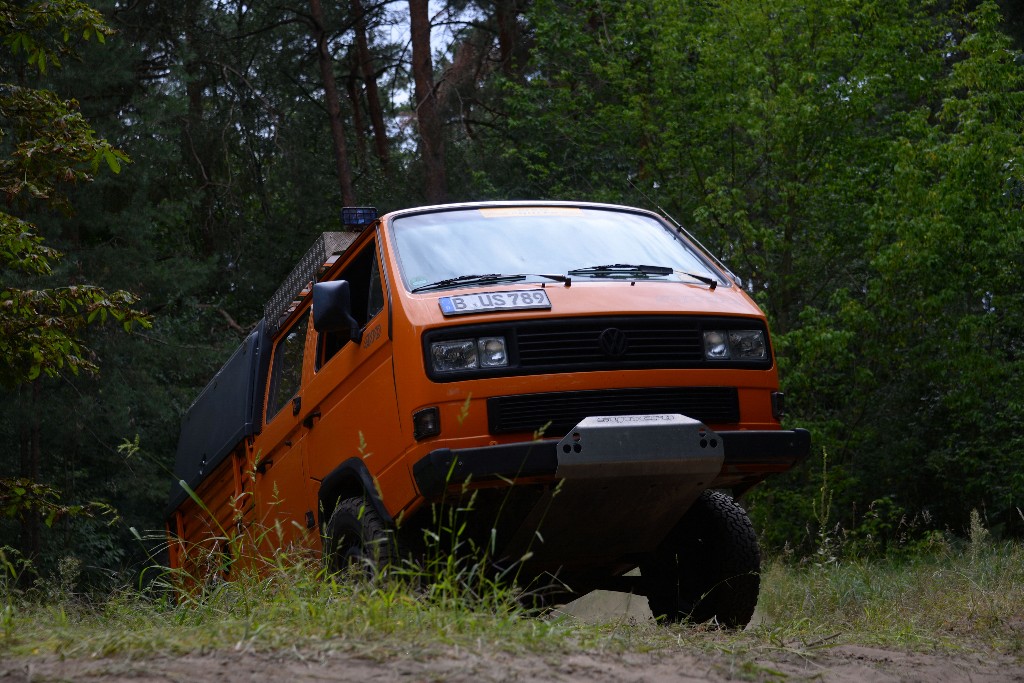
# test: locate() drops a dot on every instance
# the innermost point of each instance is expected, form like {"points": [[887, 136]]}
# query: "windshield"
{"points": [[538, 241]]}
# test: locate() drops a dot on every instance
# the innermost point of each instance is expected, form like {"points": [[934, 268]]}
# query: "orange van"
{"points": [[587, 373]]}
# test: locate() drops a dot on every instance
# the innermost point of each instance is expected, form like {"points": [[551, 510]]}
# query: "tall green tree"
{"points": [[47, 147]]}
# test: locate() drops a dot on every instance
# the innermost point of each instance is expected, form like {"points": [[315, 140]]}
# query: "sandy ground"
{"points": [[841, 664]]}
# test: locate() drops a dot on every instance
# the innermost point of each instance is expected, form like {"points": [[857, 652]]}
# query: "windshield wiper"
{"points": [[622, 269], [489, 278], [710, 282], [469, 280], [629, 269], [551, 276]]}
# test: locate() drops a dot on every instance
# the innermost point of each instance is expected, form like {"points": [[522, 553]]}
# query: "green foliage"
{"points": [[52, 144], [42, 31], [40, 329], [46, 147], [21, 497], [49, 145], [857, 163]]}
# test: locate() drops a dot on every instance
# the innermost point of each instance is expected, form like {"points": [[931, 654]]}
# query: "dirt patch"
{"points": [[839, 664]]}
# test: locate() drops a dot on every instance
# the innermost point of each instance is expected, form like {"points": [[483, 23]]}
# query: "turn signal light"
{"points": [[426, 422]]}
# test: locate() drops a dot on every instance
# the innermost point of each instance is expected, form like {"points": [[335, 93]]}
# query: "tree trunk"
{"points": [[31, 455], [427, 114], [196, 148], [380, 135], [358, 125], [505, 14], [343, 169]]}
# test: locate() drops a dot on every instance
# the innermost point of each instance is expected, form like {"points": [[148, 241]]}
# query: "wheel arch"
{"points": [[350, 479]]}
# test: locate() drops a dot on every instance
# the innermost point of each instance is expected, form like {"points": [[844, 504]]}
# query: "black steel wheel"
{"points": [[358, 538], [708, 567]]}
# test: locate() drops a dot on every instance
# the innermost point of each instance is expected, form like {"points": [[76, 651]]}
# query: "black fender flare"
{"points": [[350, 479]]}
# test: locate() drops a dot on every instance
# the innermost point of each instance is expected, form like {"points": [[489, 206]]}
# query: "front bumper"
{"points": [[749, 457], [623, 483]]}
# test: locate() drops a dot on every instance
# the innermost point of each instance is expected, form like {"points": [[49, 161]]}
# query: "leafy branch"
{"points": [[21, 497]]}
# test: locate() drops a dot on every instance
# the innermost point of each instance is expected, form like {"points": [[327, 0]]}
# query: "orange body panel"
{"points": [[213, 538]]}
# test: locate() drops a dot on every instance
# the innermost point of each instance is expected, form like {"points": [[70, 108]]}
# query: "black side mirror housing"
{"points": [[332, 309]]}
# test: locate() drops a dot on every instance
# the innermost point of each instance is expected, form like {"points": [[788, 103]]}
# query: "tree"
{"points": [[49, 146], [365, 61], [950, 238], [428, 113], [326, 62]]}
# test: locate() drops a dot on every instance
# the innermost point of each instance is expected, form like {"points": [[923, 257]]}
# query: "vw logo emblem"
{"points": [[613, 342]]}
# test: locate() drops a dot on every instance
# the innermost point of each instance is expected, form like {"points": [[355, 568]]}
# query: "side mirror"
{"points": [[332, 309]]}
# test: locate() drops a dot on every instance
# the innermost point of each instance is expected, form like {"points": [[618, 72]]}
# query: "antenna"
{"points": [[662, 211], [679, 226]]}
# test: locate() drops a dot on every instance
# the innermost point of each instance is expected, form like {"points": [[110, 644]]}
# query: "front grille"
{"points": [[564, 409], [661, 341], [548, 346]]}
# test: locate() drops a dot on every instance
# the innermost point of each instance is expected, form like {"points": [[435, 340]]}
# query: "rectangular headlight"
{"points": [[491, 351], [469, 354], [735, 345], [451, 356], [747, 345], [716, 345]]}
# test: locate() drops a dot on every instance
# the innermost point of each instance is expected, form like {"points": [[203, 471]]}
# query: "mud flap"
{"points": [[624, 481]]}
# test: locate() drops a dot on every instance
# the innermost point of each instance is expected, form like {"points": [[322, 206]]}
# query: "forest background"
{"points": [[859, 164]]}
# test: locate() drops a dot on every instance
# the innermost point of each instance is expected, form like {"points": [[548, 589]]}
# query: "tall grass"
{"points": [[292, 606], [955, 597]]}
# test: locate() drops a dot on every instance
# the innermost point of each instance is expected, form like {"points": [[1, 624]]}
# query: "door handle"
{"points": [[308, 421]]}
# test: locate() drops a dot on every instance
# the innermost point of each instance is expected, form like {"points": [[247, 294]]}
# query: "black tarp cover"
{"points": [[227, 411]]}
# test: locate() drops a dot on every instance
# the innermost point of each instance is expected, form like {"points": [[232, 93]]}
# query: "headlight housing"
{"points": [[735, 345], [492, 352], [468, 354]]}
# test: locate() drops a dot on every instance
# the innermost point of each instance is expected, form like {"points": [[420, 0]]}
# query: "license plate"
{"points": [[494, 301]]}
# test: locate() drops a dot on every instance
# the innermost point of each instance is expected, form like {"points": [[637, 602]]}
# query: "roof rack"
{"points": [[299, 283]]}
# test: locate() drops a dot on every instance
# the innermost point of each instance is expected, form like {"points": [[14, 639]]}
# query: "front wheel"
{"points": [[357, 537], [708, 567]]}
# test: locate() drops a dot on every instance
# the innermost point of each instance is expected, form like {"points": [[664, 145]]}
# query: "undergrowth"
{"points": [[957, 596], [965, 597]]}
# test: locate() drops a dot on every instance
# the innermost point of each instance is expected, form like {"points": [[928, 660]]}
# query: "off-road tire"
{"points": [[357, 538], [708, 567]]}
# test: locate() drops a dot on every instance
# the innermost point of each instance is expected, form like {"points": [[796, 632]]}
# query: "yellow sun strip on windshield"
{"points": [[506, 211]]}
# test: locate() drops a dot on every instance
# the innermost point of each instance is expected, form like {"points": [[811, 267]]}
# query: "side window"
{"points": [[375, 304], [367, 299], [286, 376]]}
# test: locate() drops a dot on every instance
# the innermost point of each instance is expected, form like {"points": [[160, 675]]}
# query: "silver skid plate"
{"points": [[625, 482], [636, 445]]}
